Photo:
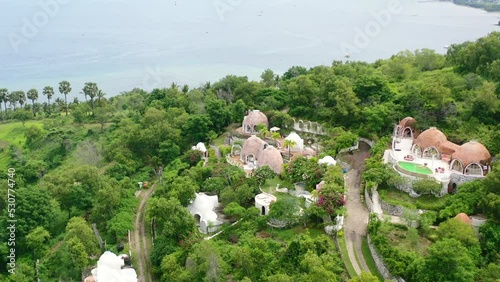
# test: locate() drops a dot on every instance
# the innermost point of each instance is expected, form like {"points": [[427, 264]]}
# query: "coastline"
{"points": [[488, 7]]}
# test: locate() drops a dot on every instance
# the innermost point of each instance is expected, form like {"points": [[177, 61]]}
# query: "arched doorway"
{"points": [[197, 219], [408, 133], [452, 188], [263, 210]]}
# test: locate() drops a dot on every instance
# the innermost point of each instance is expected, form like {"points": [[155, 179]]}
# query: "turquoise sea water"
{"points": [[121, 44]]}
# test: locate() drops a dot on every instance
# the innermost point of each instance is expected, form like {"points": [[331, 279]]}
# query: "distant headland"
{"points": [[488, 5]]}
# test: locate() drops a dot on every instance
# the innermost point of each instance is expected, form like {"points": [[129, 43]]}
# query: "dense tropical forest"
{"points": [[78, 163]]}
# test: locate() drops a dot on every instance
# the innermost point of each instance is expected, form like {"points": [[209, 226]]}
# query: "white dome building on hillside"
{"points": [[272, 158], [328, 160], [299, 142], [263, 202], [111, 268], [251, 121], [252, 147], [202, 208], [202, 148]]}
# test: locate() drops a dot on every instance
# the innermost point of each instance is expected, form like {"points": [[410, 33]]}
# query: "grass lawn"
{"points": [[270, 185], [219, 141], [12, 134], [425, 202], [369, 259], [345, 257]]}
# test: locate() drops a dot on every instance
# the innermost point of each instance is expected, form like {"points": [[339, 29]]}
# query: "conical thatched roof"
{"points": [[472, 152], [272, 158]]}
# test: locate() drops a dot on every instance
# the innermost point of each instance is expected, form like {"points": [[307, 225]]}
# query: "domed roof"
{"points": [[472, 152], [253, 145], [200, 147], [328, 160], [463, 218], [433, 137], [255, 117], [272, 158], [299, 142], [407, 122]]}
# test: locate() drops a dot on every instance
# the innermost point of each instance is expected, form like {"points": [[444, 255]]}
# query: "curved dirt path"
{"points": [[139, 240], [356, 221]]}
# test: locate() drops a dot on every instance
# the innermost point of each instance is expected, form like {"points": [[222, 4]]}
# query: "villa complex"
{"points": [[431, 154]]}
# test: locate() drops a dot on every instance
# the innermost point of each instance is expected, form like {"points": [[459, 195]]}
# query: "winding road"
{"points": [[356, 221], [139, 243]]}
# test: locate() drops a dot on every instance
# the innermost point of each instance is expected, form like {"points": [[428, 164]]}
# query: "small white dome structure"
{"points": [[328, 160], [251, 121], [202, 148], [109, 269], [299, 142], [202, 208], [263, 201], [272, 158]]}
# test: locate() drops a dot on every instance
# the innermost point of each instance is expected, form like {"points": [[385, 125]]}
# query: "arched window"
{"points": [[473, 169], [417, 151], [430, 153], [457, 165]]}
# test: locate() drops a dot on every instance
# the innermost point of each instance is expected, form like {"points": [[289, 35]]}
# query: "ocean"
{"points": [[122, 44]]}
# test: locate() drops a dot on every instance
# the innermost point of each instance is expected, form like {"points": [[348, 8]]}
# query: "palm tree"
{"points": [[264, 132], [60, 103], [21, 98], [289, 144], [14, 98], [33, 95], [100, 95], [90, 89], [4, 97], [65, 88], [49, 92]]}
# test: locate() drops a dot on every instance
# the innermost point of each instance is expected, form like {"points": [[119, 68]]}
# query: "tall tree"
{"points": [[448, 260], [21, 98], [65, 88], [90, 89], [33, 95], [4, 97], [100, 97], [49, 92], [268, 78], [289, 144], [14, 98]]}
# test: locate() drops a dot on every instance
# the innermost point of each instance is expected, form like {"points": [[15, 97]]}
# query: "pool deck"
{"points": [[403, 148]]}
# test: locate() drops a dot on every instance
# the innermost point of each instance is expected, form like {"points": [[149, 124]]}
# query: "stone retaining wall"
{"points": [[367, 141], [391, 209], [379, 262], [368, 200]]}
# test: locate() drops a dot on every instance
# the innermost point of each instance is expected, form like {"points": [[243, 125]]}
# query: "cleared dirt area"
{"points": [[357, 215], [139, 240]]}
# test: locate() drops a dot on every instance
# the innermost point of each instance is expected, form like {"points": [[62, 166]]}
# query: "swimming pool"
{"points": [[415, 168]]}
